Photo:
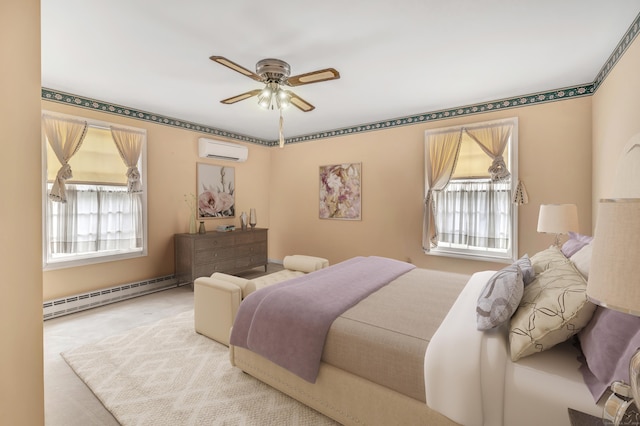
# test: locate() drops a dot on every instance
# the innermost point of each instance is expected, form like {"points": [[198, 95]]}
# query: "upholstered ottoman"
{"points": [[217, 298]]}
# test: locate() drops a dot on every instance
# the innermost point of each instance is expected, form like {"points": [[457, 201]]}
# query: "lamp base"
{"points": [[634, 377], [622, 406]]}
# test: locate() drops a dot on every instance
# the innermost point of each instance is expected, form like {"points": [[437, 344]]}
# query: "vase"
{"points": [[202, 229], [192, 224], [243, 221], [252, 218]]}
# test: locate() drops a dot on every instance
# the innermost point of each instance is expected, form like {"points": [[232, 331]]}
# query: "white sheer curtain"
{"points": [[493, 141], [441, 153], [129, 144], [474, 214], [65, 137], [95, 218]]}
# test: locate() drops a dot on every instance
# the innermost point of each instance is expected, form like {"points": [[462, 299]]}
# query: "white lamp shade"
{"points": [[558, 218], [614, 273]]}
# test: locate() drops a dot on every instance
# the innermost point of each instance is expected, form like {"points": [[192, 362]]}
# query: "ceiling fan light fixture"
{"points": [[283, 99], [276, 73]]}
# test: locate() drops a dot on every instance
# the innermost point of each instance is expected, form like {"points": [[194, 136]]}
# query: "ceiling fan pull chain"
{"points": [[281, 133]]}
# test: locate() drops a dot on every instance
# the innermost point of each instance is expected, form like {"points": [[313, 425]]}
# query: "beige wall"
{"points": [[616, 118], [21, 383], [554, 163], [172, 155], [282, 184]]}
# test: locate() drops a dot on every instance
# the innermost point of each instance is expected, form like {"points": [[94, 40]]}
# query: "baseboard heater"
{"points": [[69, 305]]}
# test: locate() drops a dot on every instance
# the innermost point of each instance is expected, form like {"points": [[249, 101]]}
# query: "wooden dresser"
{"points": [[200, 255]]}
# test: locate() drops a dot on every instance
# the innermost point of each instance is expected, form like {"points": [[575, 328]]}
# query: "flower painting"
{"points": [[340, 196], [216, 191]]}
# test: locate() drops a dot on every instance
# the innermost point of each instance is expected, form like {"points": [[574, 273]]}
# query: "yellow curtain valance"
{"points": [[97, 161]]}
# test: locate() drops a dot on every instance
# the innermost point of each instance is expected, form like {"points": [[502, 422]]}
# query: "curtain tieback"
{"points": [[498, 169], [133, 179], [58, 190], [427, 199]]}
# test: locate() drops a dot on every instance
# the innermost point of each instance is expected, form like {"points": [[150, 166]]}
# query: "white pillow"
{"points": [[582, 259], [553, 308]]}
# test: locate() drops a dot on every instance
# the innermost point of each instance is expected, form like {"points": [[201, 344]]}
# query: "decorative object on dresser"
{"points": [[558, 219], [253, 219], [200, 255], [243, 221], [614, 283], [216, 188]]}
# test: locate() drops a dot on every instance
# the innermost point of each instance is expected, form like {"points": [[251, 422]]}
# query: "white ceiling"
{"points": [[396, 58]]}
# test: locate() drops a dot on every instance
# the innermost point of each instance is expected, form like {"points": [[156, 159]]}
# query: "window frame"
{"points": [[49, 264], [511, 255]]}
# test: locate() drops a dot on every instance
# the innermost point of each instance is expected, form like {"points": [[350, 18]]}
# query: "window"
{"points": [[470, 206], [98, 213]]}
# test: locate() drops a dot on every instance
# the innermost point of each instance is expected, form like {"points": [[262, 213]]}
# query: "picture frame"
{"points": [[341, 191], [215, 191]]}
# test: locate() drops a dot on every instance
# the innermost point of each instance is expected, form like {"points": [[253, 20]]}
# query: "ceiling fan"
{"points": [[275, 73]]}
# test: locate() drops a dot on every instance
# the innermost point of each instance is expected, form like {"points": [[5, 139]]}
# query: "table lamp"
{"points": [[558, 219], [614, 282]]}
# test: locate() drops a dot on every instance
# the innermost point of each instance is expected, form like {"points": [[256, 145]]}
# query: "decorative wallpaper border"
{"points": [[519, 101], [622, 46], [514, 102], [88, 103]]}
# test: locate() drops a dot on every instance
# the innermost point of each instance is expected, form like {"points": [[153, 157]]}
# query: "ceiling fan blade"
{"points": [[313, 77], [241, 97], [238, 68], [300, 103]]}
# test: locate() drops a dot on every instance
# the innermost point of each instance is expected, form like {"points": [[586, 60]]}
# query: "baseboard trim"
{"points": [[80, 302]]}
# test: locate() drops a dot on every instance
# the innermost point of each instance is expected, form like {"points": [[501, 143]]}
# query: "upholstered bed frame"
{"points": [[444, 371], [343, 396]]}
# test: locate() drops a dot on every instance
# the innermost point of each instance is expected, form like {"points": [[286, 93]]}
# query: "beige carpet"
{"points": [[166, 374]]}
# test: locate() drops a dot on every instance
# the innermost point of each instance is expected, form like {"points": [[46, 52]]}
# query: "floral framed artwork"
{"points": [[216, 188], [340, 191]]}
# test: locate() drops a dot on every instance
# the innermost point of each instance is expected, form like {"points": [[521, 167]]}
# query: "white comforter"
{"points": [[469, 376]]}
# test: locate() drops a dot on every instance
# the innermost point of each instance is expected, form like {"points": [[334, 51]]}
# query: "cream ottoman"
{"points": [[218, 297]]}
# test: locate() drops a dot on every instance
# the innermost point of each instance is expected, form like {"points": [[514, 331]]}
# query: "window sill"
{"points": [[91, 259], [465, 254]]}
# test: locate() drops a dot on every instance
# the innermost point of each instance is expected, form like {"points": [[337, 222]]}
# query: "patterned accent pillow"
{"points": [[499, 298], [546, 259], [553, 308]]}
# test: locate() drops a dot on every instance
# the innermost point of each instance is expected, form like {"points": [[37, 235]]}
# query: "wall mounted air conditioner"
{"points": [[210, 148]]}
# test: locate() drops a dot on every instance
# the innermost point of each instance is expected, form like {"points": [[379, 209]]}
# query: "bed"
{"points": [[410, 352]]}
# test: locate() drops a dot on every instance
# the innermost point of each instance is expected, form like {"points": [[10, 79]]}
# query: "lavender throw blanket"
{"points": [[288, 322]]}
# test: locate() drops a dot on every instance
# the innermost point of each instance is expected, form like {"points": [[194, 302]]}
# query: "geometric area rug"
{"points": [[167, 374]]}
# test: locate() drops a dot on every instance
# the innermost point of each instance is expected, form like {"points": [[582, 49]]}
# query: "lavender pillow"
{"points": [[528, 274], [574, 243], [608, 342]]}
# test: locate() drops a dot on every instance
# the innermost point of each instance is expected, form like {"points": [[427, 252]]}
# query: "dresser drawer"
{"points": [[209, 256], [251, 249], [213, 243], [251, 237], [251, 261]]}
